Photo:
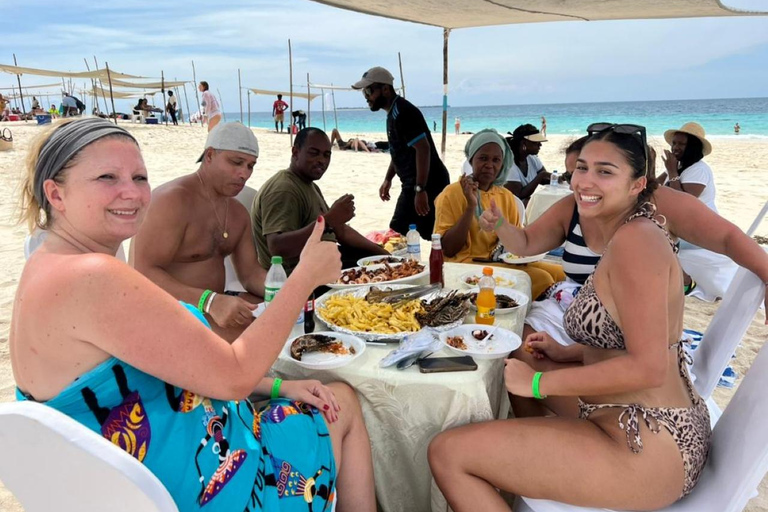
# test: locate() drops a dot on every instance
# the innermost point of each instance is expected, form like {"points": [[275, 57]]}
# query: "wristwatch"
{"points": [[418, 188]]}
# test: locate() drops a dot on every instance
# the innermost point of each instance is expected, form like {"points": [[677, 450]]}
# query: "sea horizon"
{"points": [[717, 116]]}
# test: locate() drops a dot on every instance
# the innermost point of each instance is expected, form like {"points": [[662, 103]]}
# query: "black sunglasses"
{"points": [[368, 91], [634, 130]]}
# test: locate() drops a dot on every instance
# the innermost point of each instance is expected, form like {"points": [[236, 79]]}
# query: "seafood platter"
{"points": [[508, 300], [377, 312], [505, 279], [400, 272], [481, 341]]}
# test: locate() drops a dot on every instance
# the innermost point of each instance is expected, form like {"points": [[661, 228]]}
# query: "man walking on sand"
{"points": [[278, 112], [414, 156], [194, 222]]}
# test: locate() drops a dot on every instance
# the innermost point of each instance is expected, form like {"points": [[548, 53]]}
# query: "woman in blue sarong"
{"points": [[98, 341]]}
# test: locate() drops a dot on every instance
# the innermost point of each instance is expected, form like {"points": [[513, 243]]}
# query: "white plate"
{"points": [[500, 345], [324, 360], [373, 260], [518, 296], [503, 279], [361, 291], [511, 259], [339, 286]]}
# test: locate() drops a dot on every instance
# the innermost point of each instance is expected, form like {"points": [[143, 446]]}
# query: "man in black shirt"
{"points": [[414, 156]]}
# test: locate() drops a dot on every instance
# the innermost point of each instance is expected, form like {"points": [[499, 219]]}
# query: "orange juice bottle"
{"points": [[486, 299]]}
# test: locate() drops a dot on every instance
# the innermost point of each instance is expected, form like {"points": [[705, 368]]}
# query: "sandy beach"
{"points": [[739, 165]]}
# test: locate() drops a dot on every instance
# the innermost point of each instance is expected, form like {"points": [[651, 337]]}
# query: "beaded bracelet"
{"points": [[201, 302], [676, 178], [276, 388], [535, 386]]}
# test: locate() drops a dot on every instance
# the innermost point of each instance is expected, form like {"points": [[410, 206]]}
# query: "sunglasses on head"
{"points": [[634, 130]]}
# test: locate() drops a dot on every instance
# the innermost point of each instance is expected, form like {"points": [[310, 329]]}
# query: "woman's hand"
{"points": [[541, 345], [671, 163], [314, 393], [320, 260], [469, 187], [518, 377], [490, 217]]}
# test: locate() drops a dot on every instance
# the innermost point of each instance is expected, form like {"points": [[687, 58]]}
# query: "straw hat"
{"points": [[694, 129]]}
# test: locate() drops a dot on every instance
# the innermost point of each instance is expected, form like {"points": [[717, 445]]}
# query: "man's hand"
{"points": [[384, 190], [228, 311], [469, 187], [341, 212], [544, 177], [421, 203]]}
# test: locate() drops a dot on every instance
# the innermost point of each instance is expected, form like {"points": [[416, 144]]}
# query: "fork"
{"points": [[482, 342]]}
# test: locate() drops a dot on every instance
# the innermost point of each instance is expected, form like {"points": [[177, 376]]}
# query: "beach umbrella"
{"points": [[454, 14]]}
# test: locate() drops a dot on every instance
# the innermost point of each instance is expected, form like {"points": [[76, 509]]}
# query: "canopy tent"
{"points": [[58, 84], [302, 95], [98, 91], [100, 73], [148, 85], [450, 14]]}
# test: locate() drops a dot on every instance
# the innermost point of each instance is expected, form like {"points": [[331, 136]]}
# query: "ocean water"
{"points": [[716, 116]]}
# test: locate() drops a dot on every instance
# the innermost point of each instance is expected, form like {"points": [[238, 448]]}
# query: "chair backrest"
{"points": [[738, 455], [737, 310], [36, 238], [246, 197], [51, 462], [520, 209]]}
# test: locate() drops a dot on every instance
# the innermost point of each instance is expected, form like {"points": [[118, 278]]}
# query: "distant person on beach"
{"points": [[299, 119], [278, 112], [736, 128], [357, 144], [211, 105], [527, 171], [36, 106], [5, 111], [457, 125], [131, 364], [543, 126], [194, 222], [289, 203], [170, 107], [53, 111], [434, 126], [414, 156], [69, 105]]}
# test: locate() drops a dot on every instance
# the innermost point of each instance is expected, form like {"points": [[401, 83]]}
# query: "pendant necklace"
{"points": [[224, 233]]}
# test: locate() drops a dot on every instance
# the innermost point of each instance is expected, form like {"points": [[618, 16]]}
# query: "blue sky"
{"points": [[562, 62]]}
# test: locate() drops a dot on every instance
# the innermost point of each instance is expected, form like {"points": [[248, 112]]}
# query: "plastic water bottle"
{"points": [[413, 239], [275, 280], [486, 299], [553, 179]]}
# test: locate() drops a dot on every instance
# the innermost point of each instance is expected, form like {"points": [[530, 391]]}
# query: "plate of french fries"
{"points": [[347, 311]]}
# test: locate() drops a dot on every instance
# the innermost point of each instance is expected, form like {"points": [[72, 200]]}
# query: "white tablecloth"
{"points": [[542, 199], [404, 409]]}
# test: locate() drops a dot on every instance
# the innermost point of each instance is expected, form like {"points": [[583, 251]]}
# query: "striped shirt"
{"points": [[579, 261]]}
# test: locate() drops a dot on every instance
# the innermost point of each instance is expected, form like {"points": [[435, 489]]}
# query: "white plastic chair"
{"points": [[51, 462], [738, 455], [520, 209], [246, 197], [35, 239]]}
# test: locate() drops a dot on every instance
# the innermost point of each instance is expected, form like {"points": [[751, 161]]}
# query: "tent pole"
{"points": [[249, 108], [240, 94], [309, 100], [111, 96], [178, 98], [162, 92], [93, 84], [290, 77], [101, 85], [446, 34], [194, 81], [21, 93], [322, 92], [335, 117], [402, 80], [186, 101], [221, 104]]}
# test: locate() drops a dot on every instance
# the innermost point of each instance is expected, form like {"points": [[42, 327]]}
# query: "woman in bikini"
{"points": [[627, 416]]}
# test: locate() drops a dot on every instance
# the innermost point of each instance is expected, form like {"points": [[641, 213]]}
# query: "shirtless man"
{"points": [[194, 222]]}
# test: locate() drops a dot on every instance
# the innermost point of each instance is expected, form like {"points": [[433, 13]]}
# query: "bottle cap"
{"points": [[487, 271], [412, 226], [277, 260]]}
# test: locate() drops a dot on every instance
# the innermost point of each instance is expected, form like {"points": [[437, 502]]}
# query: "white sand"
{"points": [[739, 166]]}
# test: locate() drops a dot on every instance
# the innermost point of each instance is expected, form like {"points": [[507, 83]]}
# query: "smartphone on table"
{"points": [[447, 364]]}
